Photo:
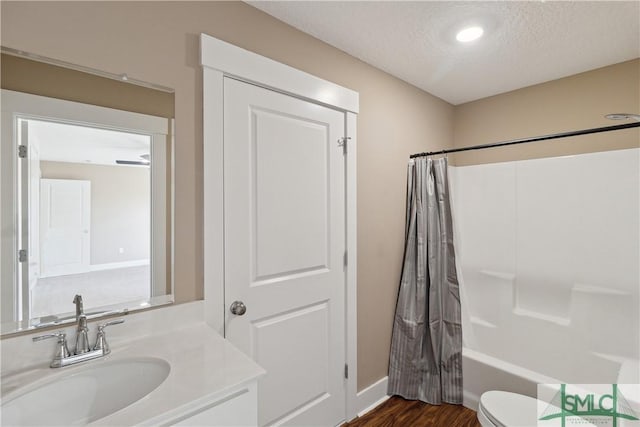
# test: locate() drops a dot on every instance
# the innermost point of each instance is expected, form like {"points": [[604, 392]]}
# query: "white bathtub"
{"points": [[483, 373], [523, 349], [547, 253]]}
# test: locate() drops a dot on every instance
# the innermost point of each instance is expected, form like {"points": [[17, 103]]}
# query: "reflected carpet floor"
{"points": [[54, 295]]}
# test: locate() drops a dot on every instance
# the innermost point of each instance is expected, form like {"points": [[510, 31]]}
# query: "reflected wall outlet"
{"points": [[121, 250]]}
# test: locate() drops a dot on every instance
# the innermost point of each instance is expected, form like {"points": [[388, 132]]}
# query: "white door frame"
{"points": [[220, 59]]}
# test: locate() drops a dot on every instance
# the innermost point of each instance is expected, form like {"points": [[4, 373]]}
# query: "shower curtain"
{"points": [[426, 347]]}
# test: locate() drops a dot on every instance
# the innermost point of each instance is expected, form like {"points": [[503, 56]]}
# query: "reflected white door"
{"points": [[284, 198], [65, 206]]}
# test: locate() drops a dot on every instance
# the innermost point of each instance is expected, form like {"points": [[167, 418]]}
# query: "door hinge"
{"points": [[22, 151], [22, 255], [346, 371], [345, 259], [342, 142]]}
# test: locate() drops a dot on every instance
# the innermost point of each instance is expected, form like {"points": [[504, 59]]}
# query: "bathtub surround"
{"points": [[563, 267], [426, 348], [575, 102]]}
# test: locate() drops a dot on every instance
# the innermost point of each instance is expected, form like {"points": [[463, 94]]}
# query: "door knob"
{"points": [[238, 308]]}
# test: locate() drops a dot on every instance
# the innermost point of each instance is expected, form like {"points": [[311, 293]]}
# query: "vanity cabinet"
{"points": [[238, 408]]}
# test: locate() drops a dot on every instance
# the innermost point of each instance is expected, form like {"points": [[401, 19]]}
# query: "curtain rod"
{"points": [[533, 139]]}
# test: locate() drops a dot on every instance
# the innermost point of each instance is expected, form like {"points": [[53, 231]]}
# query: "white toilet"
{"points": [[505, 409]]}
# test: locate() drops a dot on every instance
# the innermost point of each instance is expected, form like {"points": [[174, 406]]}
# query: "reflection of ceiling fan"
{"points": [[144, 161]]}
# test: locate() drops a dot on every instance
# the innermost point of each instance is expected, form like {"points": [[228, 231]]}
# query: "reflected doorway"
{"points": [[89, 214]]}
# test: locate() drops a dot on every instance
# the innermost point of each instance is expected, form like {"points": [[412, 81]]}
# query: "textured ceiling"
{"points": [[61, 142], [524, 43]]}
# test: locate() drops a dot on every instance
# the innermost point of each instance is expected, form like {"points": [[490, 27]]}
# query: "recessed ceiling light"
{"points": [[469, 34]]}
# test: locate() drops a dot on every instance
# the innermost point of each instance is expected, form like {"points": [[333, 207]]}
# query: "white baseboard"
{"points": [[470, 400], [376, 394], [114, 265], [98, 267], [372, 396]]}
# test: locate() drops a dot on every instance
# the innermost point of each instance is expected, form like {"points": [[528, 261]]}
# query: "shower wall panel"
{"points": [[548, 251]]}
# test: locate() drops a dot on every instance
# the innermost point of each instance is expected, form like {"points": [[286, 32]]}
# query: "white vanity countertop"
{"points": [[203, 366]]}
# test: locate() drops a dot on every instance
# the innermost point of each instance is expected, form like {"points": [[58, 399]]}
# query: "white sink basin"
{"points": [[86, 394]]}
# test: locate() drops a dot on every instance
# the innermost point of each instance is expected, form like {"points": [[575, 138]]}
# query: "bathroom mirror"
{"points": [[86, 192]]}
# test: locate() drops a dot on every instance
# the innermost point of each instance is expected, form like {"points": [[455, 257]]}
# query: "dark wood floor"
{"points": [[398, 412]]}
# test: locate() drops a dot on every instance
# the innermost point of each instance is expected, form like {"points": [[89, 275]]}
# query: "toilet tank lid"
{"points": [[509, 409]]}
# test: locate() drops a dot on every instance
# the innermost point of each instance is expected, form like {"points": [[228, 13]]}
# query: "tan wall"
{"points": [[571, 103], [120, 208], [158, 42], [38, 78]]}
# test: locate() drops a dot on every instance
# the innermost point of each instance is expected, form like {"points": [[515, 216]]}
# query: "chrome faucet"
{"points": [[77, 300], [82, 336], [82, 339], [83, 351]]}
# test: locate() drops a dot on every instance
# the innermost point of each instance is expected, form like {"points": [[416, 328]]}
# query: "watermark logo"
{"points": [[601, 405]]}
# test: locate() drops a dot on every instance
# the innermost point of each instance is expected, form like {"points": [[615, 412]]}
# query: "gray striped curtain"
{"points": [[426, 347]]}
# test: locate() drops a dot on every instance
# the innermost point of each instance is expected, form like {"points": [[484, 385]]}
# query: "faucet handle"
{"points": [[101, 338], [111, 323], [60, 335], [62, 350]]}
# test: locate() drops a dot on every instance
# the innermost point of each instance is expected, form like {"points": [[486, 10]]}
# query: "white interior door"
{"points": [[65, 206], [284, 198]]}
